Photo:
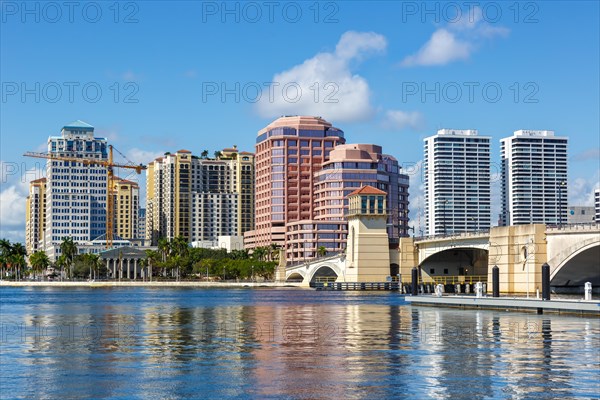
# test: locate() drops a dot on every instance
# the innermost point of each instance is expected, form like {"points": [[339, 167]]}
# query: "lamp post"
{"points": [[560, 186], [252, 276]]}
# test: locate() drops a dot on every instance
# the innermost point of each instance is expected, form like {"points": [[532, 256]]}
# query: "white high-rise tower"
{"points": [[456, 167], [534, 178], [75, 192]]}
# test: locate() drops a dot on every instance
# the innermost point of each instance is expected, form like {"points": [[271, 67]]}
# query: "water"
{"points": [[161, 343]]}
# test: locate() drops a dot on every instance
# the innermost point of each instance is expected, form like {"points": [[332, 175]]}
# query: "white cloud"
{"points": [[139, 156], [12, 212], [324, 84], [416, 189], [401, 120], [110, 134], [12, 207], [442, 48], [581, 190], [456, 41], [14, 189], [358, 44]]}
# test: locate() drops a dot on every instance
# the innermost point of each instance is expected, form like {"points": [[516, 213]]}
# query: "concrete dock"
{"points": [[559, 306]]}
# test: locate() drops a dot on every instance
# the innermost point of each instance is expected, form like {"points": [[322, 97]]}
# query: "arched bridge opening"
{"points": [[295, 277], [580, 267], [456, 262], [324, 274]]}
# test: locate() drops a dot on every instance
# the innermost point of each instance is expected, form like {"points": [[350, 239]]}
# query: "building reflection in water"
{"points": [[302, 344]]}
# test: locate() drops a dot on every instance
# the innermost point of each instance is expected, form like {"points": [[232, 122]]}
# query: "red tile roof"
{"points": [[183, 151], [367, 190]]}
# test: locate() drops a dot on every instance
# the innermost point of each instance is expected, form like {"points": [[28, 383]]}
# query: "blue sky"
{"points": [[387, 72]]}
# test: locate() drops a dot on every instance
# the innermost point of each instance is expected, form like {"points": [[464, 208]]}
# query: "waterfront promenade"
{"points": [[226, 285]]}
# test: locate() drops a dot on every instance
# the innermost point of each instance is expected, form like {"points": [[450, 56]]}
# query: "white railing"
{"points": [[588, 226], [479, 233]]}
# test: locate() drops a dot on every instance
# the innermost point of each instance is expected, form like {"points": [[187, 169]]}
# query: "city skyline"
{"points": [[217, 197], [346, 149], [394, 85]]}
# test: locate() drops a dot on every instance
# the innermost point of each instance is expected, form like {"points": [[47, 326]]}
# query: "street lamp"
{"points": [[560, 186], [252, 276]]}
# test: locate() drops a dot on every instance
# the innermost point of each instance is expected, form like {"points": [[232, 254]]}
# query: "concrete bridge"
{"points": [[331, 268], [572, 251]]}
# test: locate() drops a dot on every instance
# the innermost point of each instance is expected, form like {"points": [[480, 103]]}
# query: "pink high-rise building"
{"points": [[304, 172], [288, 153], [349, 167]]}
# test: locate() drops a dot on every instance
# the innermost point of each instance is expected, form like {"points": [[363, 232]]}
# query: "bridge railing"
{"points": [[325, 279], [453, 235], [447, 280], [329, 256], [588, 226]]}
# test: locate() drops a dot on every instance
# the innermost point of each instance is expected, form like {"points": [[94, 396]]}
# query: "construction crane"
{"points": [[109, 165]]}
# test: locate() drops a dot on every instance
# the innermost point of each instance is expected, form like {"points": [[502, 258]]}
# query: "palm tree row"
{"points": [[176, 259], [12, 256]]}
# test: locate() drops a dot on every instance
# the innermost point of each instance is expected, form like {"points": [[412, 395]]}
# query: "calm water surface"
{"points": [[289, 343]]}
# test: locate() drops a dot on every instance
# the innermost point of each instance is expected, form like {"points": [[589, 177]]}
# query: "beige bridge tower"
{"points": [[368, 255]]}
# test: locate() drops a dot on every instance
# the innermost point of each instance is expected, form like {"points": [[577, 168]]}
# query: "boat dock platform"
{"points": [[539, 306]]}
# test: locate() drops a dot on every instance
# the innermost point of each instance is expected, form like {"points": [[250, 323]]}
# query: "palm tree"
{"points": [[94, 263], [218, 154], [179, 246], [69, 249], [61, 262], [17, 260], [164, 248], [259, 253], [322, 251], [19, 252], [5, 251], [180, 249], [39, 261], [151, 258], [204, 154]]}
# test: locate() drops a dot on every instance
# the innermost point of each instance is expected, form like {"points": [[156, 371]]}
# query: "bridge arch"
{"points": [[324, 270], [456, 261], [576, 264], [295, 277]]}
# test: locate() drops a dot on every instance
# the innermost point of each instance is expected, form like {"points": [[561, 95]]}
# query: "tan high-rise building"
{"points": [[200, 198], [168, 196], [35, 216], [244, 185], [127, 205]]}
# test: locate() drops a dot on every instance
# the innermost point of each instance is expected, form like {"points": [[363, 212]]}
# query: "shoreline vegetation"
{"points": [[172, 260]]}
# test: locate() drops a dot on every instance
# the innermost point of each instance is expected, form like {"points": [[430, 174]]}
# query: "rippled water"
{"points": [[288, 343]]}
